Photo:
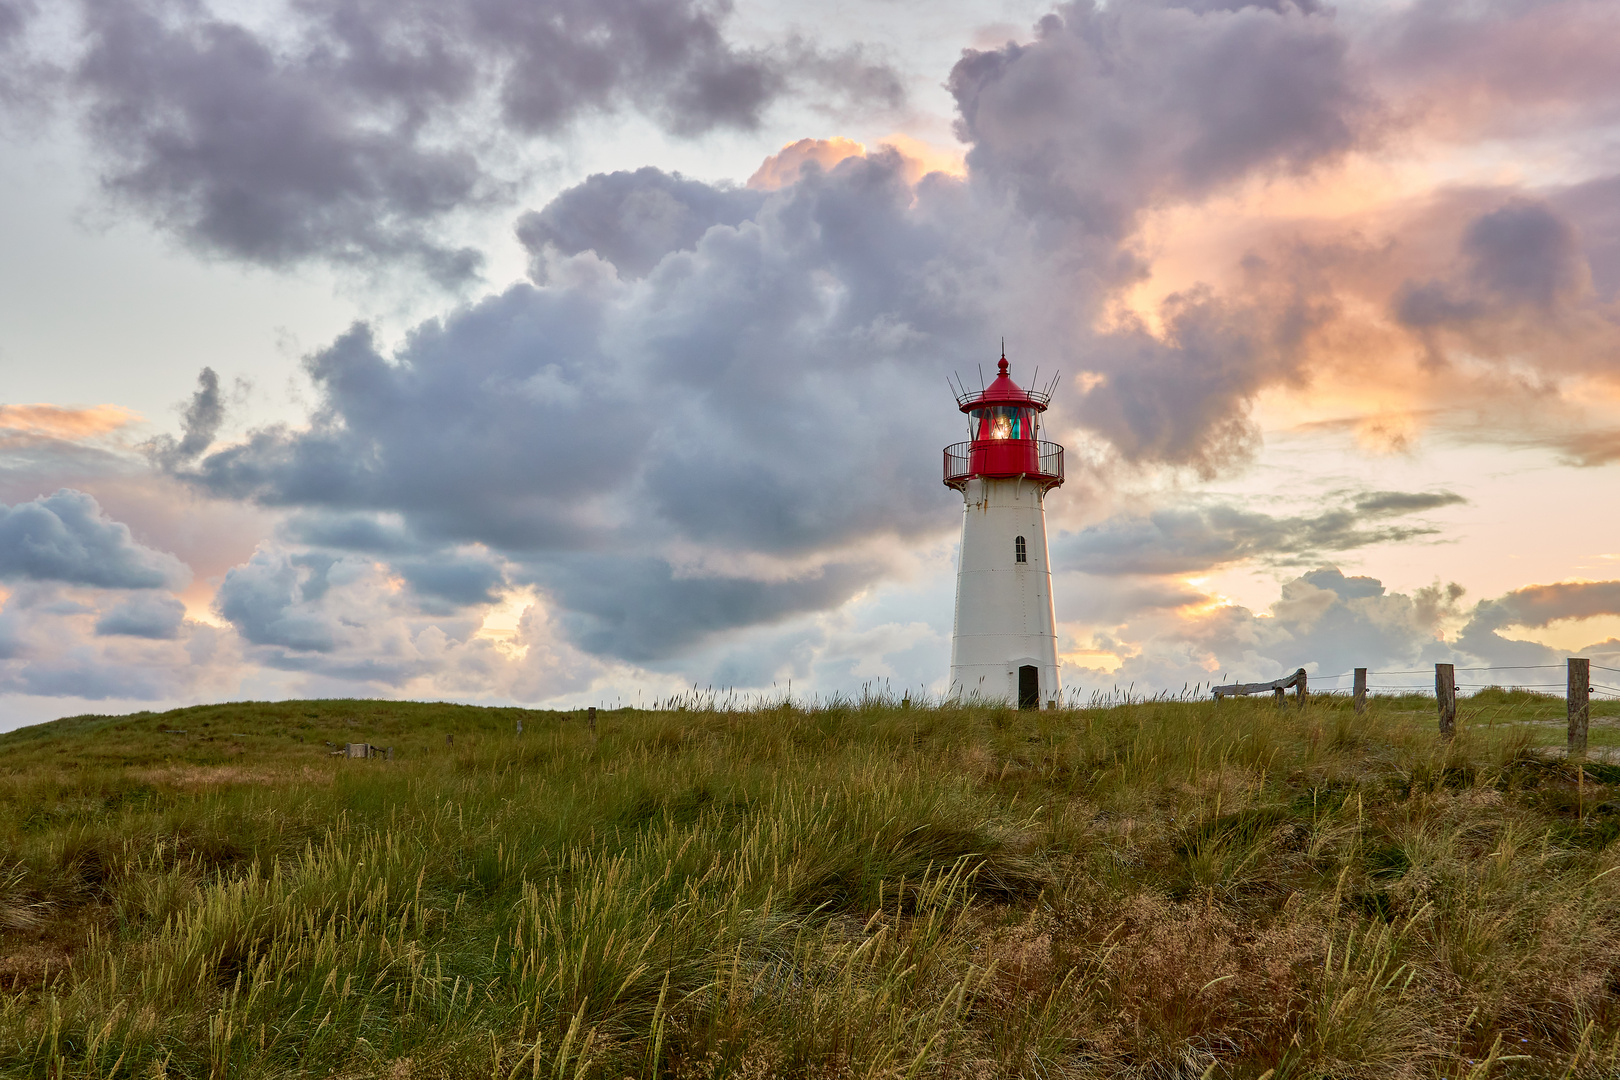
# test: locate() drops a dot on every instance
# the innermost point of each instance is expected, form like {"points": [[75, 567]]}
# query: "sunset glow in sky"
{"points": [[564, 352]]}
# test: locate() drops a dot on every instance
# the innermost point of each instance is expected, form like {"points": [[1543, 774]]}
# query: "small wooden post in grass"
{"points": [[1579, 702], [590, 715], [1300, 693], [1445, 694], [1282, 697], [1361, 690]]}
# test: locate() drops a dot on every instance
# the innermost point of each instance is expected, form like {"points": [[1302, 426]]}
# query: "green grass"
{"points": [[1152, 890]]}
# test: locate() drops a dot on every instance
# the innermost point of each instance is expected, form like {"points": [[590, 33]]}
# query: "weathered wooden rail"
{"points": [[1276, 687]]}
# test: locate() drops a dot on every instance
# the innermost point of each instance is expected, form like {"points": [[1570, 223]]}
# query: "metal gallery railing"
{"points": [[960, 464]]}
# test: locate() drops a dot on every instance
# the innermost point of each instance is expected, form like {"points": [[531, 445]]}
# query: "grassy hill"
{"points": [[1150, 890]]}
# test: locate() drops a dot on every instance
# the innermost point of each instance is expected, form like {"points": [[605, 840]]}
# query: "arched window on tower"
{"points": [[1020, 552]]}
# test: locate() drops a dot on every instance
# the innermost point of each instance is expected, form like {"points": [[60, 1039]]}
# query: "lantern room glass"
{"points": [[1003, 422]]}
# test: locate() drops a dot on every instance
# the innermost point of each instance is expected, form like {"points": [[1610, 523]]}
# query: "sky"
{"points": [[568, 352]]}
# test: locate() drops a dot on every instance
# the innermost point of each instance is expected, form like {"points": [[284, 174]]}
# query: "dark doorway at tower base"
{"points": [[1029, 687]]}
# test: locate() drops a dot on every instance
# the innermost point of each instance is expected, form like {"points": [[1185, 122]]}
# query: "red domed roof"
{"points": [[1003, 391]]}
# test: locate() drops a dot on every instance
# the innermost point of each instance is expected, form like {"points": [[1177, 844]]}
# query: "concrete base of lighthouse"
{"points": [[1004, 624]]}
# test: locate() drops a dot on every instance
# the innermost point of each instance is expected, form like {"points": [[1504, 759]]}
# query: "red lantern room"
{"points": [[1004, 421]]}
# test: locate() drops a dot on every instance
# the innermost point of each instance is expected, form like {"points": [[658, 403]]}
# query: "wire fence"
{"points": [[1420, 681]]}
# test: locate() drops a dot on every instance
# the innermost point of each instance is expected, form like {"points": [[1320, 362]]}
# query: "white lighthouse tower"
{"points": [[1004, 646]]}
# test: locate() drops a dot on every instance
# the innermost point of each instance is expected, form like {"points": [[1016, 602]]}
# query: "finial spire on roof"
{"points": [[1002, 363]]}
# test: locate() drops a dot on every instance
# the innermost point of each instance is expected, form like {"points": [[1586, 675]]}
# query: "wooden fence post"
{"points": [[1579, 702], [1361, 690], [1281, 695], [1300, 693], [1445, 693], [591, 718]]}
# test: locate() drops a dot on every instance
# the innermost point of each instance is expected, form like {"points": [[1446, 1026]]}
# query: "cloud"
{"points": [[1472, 69], [75, 641], [1116, 111], [328, 622], [201, 423], [24, 81], [355, 132], [1532, 607], [255, 153], [65, 537], [1520, 257], [457, 581], [1593, 209], [148, 615], [784, 167], [56, 422], [274, 600], [631, 219], [640, 611], [701, 416], [1324, 621], [693, 417], [1190, 539], [609, 416], [681, 401], [1112, 108]]}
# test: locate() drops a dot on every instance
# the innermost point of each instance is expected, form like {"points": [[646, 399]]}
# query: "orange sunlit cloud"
{"points": [[56, 422], [784, 167]]}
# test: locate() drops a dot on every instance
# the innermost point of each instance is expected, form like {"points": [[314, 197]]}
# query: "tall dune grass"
{"points": [[1154, 889]]}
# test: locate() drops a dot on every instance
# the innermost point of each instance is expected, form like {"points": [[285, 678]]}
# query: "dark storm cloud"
{"points": [[632, 219], [1500, 67], [352, 532], [1518, 294], [724, 429], [268, 601], [458, 581], [1119, 109], [22, 78], [1190, 539], [146, 615], [639, 610], [1521, 257], [1183, 399], [255, 154], [201, 422], [90, 677], [1593, 208], [14, 16], [1524, 253], [353, 130], [720, 405], [1115, 107], [1488, 633], [1538, 605], [744, 387], [65, 537]]}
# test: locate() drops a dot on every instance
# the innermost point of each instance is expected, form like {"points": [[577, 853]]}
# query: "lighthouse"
{"points": [[1004, 644]]}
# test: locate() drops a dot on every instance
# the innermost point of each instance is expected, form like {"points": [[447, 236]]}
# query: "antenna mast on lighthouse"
{"points": [[1004, 646]]}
